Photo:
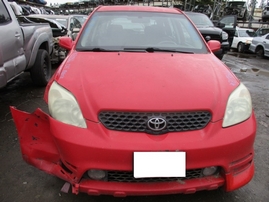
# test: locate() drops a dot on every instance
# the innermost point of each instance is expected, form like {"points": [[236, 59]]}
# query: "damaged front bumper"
{"points": [[69, 152], [37, 146]]}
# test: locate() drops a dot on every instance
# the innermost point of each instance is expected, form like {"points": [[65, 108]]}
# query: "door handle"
{"points": [[17, 35]]}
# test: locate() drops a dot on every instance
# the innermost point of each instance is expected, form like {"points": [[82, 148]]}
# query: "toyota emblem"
{"points": [[156, 124], [207, 38]]}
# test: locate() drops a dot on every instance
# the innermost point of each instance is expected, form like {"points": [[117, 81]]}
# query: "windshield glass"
{"points": [[236, 4], [61, 21], [140, 31], [246, 33], [200, 20]]}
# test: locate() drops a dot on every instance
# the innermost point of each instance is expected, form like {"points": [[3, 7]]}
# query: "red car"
{"points": [[141, 106]]}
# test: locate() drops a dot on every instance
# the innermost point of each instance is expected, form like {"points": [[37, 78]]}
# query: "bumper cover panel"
{"points": [[68, 152]]}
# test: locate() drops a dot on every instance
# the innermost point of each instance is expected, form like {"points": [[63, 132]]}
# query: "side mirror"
{"points": [[214, 45], [66, 43], [221, 25]]}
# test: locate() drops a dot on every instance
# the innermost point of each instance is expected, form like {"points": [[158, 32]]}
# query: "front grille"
{"points": [[213, 37], [120, 176], [137, 122]]}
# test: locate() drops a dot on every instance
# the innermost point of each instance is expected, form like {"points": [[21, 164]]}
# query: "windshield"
{"points": [[200, 20], [61, 21], [246, 33], [236, 4], [140, 31]]}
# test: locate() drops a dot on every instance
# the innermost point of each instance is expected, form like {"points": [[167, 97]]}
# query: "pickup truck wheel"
{"points": [[241, 47], [41, 71]]}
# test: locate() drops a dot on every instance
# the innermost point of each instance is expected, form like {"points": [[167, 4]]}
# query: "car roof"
{"points": [[193, 13], [242, 28], [138, 8], [54, 16]]}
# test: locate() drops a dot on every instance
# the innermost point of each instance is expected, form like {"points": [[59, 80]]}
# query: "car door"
{"points": [[230, 22], [266, 45], [236, 39], [11, 44]]}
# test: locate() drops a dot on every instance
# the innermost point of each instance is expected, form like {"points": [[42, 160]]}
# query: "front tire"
{"points": [[260, 52], [41, 71], [241, 47]]}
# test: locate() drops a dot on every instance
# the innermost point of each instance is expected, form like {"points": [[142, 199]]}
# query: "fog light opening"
{"points": [[209, 170], [97, 174]]}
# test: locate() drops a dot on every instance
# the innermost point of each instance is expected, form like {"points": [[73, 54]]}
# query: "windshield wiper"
{"points": [[149, 49], [152, 49], [97, 50]]}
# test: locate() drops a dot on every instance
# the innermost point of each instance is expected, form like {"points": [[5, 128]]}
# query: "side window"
{"points": [[229, 21], [267, 37], [71, 23], [4, 16], [77, 23]]}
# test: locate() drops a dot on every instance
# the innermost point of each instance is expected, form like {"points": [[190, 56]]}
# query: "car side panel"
{"points": [[13, 62]]}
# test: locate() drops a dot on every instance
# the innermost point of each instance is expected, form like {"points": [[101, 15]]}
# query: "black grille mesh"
{"points": [[137, 122], [120, 176], [213, 37]]}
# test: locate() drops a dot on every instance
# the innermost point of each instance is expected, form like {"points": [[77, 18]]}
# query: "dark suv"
{"points": [[210, 32]]}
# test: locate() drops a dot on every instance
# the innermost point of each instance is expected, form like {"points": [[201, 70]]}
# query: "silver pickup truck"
{"points": [[23, 47]]}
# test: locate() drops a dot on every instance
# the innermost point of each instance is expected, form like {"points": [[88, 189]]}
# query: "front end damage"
{"points": [[37, 144], [52, 147]]}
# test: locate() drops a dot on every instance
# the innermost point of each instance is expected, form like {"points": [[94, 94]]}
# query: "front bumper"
{"points": [[247, 45], [225, 47], [69, 152]]}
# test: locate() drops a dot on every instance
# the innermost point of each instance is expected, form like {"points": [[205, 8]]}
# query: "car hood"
{"points": [[209, 30], [146, 82], [244, 39]]}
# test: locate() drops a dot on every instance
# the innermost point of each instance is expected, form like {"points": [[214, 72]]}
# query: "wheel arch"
{"points": [[42, 42], [258, 47]]}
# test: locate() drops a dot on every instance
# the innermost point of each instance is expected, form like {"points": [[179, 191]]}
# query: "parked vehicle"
{"points": [[24, 47], [260, 46], [141, 106], [242, 39], [210, 32], [238, 8], [68, 21], [42, 2], [205, 9], [262, 31], [265, 14], [62, 25]]}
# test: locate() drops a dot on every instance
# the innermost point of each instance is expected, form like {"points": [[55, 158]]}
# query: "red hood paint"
{"points": [[128, 81]]}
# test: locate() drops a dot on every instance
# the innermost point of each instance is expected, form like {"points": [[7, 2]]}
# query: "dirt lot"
{"points": [[21, 182]]}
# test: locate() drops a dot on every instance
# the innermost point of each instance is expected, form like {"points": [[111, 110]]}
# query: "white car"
{"points": [[260, 46], [242, 39]]}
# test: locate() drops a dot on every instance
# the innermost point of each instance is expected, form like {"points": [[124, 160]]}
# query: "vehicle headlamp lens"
{"points": [[239, 106], [64, 107], [224, 36], [248, 41]]}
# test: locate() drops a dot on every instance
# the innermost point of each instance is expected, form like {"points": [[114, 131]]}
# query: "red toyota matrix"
{"points": [[141, 106]]}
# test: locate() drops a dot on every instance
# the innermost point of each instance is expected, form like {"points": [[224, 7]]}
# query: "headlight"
{"points": [[248, 41], [64, 107], [224, 36], [239, 106]]}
